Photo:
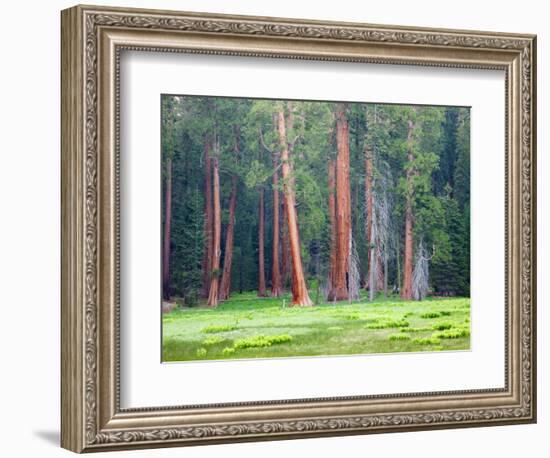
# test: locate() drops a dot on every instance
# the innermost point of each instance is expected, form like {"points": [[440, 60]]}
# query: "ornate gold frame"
{"points": [[92, 39]]}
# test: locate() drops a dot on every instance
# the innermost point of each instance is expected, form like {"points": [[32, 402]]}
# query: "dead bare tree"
{"points": [[380, 229], [354, 276], [421, 273]]}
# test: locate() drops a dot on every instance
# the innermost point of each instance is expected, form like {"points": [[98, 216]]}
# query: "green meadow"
{"points": [[246, 326]]}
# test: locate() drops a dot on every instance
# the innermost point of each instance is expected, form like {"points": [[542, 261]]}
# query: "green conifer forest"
{"points": [[307, 204]]}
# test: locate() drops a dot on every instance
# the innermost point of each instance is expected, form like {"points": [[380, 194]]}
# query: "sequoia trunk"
{"points": [[216, 235], [285, 250], [407, 291], [332, 217], [276, 288], [225, 284], [339, 287], [300, 295]]}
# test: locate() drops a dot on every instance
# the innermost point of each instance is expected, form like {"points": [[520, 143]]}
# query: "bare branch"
{"points": [[433, 253], [262, 141], [292, 143]]}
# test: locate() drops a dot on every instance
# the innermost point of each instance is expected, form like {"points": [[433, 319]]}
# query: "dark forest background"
{"points": [[381, 196]]}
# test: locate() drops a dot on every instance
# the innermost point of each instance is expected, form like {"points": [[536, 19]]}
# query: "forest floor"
{"points": [[250, 327]]}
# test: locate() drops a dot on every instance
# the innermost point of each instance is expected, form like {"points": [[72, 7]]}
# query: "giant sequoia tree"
{"points": [[265, 195], [216, 232], [342, 241], [407, 291], [300, 295]]}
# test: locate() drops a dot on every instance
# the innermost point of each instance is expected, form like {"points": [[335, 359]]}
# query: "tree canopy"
{"points": [[400, 171]]}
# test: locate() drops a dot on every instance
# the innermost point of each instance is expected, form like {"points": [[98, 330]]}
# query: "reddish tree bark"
{"points": [[167, 223], [216, 235], [339, 287], [300, 295], [285, 250], [407, 291], [261, 253], [332, 217], [286, 264], [276, 288], [208, 220], [225, 284]]}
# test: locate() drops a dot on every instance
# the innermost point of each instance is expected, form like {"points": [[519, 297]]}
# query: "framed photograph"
{"points": [[279, 228]]}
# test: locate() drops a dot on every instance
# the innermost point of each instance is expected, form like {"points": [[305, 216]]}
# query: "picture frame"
{"points": [[93, 39]]}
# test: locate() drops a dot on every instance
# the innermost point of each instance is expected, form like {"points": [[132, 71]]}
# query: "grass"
{"points": [[219, 328], [250, 327], [261, 341], [399, 337], [388, 323]]}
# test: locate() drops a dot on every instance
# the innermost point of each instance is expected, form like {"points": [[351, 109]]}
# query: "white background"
{"points": [[146, 75], [29, 242]]}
